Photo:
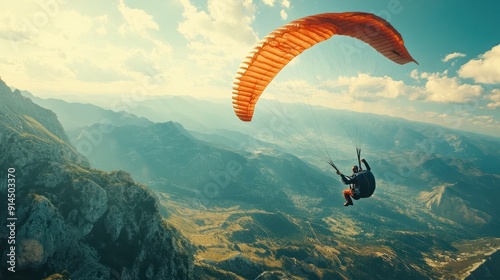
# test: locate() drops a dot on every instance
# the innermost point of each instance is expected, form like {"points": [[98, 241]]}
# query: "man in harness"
{"points": [[361, 183]]}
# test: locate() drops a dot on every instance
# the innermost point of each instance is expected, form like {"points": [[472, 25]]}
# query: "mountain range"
{"points": [[254, 205], [66, 218]]}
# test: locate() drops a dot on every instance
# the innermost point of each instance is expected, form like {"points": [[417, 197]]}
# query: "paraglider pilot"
{"points": [[356, 186]]}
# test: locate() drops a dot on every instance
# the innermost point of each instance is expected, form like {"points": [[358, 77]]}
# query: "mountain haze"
{"points": [[74, 115]]}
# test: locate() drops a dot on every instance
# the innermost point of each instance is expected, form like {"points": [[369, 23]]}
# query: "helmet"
{"points": [[355, 169]]}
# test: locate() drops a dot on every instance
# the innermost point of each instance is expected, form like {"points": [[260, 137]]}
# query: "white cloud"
{"points": [[452, 56], [225, 28], [356, 93], [13, 30], [484, 69], [268, 2], [495, 99], [102, 21], [136, 21], [286, 4], [217, 37], [368, 87], [63, 49], [72, 24], [161, 50], [42, 66], [87, 70], [443, 89], [283, 15], [464, 120], [22, 21], [414, 74], [484, 121]]}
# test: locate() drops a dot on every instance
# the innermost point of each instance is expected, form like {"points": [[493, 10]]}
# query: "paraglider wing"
{"points": [[278, 48]]}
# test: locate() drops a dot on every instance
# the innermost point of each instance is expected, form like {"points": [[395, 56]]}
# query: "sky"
{"points": [[138, 49]]}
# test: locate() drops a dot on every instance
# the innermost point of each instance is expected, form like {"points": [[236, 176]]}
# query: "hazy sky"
{"points": [[193, 47]]}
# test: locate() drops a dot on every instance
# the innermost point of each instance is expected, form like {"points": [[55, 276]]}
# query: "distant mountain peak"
{"points": [[443, 202], [434, 197]]}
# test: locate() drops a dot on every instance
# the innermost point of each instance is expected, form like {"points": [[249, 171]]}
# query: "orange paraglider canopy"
{"points": [[280, 46]]}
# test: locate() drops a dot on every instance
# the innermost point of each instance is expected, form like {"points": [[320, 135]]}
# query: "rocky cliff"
{"points": [[66, 216]]}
